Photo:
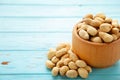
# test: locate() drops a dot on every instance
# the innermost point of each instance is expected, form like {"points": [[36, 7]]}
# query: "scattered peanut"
{"points": [[60, 63], [72, 65], [66, 63], [88, 68], [55, 59], [55, 71], [49, 64], [80, 63], [73, 56], [63, 70], [51, 53], [83, 72], [65, 56], [71, 73], [61, 52]]}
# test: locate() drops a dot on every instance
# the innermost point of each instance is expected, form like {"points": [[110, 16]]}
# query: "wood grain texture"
{"points": [[28, 28]]}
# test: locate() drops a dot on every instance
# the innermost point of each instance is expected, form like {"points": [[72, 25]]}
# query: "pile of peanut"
{"points": [[98, 28], [66, 63]]}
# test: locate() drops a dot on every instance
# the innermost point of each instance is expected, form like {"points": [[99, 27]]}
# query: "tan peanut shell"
{"points": [[88, 68], [66, 61], [105, 27], [89, 16], [71, 74], [55, 59], [96, 39], [49, 64], [92, 31], [106, 37], [61, 52], [83, 73], [51, 53], [73, 56], [83, 34], [72, 65], [81, 63], [55, 71], [101, 15], [63, 70]]}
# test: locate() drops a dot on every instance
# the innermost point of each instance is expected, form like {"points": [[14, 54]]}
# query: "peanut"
{"points": [[99, 19], [101, 15], [115, 23], [80, 24], [51, 53], [59, 64], [63, 45], [73, 56], [88, 68], [83, 34], [105, 27], [83, 73], [92, 31], [87, 20], [106, 37], [115, 30], [115, 37], [95, 23], [108, 20], [96, 39], [49, 64], [55, 71], [89, 16], [63, 70], [61, 52], [83, 26], [55, 59], [66, 61], [71, 74], [80, 63], [65, 56], [72, 65]]}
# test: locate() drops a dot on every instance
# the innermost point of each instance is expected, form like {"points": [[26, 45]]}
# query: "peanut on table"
{"points": [[66, 63]]}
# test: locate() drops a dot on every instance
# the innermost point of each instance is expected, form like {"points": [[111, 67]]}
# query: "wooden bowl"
{"points": [[97, 55]]}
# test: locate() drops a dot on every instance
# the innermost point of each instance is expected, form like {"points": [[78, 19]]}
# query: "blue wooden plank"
{"points": [[49, 77], [32, 41], [59, 1], [33, 63], [37, 24], [56, 11]]}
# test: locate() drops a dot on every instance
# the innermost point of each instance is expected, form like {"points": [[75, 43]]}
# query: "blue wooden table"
{"points": [[28, 28]]}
